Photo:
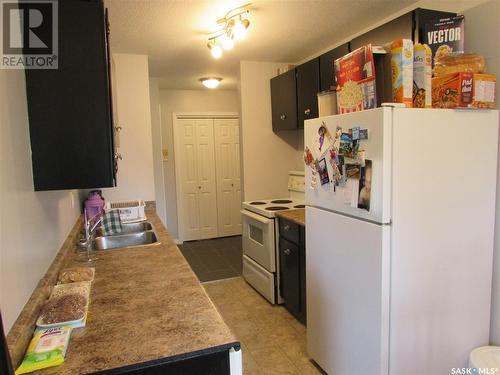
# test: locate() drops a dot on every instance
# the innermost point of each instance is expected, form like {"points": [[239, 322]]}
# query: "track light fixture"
{"points": [[233, 26]]}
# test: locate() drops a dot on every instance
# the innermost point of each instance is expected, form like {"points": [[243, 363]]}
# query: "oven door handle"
{"points": [[259, 218]]}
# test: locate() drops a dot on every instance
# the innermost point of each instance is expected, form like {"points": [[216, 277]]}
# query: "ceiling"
{"points": [[173, 33]]}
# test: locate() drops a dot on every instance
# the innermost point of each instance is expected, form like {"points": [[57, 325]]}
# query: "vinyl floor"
{"points": [[214, 259], [272, 341]]}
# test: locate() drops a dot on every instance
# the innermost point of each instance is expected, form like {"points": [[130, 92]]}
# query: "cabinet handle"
{"points": [[286, 227], [283, 116], [118, 156], [307, 112], [287, 251], [199, 187]]}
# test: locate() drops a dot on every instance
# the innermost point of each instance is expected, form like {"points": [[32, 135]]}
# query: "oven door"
{"points": [[259, 240]]}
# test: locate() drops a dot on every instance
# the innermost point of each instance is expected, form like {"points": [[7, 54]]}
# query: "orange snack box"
{"points": [[483, 90], [452, 90]]}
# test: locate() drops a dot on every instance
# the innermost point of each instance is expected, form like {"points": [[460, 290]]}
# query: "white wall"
{"points": [[32, 225], [482, 30], [172, 101], [135, 178], [154, 94], [267, 157]]}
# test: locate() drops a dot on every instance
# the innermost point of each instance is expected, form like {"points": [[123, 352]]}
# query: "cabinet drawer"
{"points": [[289, 230]]}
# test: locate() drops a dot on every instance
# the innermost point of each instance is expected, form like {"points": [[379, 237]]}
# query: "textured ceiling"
{"points": [[173, 33]]}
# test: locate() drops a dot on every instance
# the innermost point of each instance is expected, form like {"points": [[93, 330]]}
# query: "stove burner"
{"points": [[300, 206], [281, 201], [257, 203], [276, 208]]}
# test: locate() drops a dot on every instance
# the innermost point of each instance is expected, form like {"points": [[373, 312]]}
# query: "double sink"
{"points": [[132, 235]]}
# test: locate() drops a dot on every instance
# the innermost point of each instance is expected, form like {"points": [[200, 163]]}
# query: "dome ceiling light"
{"points": [[233, 27], [210, 82]]}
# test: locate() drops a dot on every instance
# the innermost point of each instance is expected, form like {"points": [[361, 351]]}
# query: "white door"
{"points": [[378, 149], [186, 160], [195, 165], [206, 178], [227, 156], [347, 272]]}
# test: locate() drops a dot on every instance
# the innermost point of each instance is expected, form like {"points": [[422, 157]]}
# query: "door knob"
{"points": [[307, 112], [283, 116], [287, 251]]}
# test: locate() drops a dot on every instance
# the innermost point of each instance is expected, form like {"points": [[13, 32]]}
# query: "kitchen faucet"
{"points": [[90, 225]]}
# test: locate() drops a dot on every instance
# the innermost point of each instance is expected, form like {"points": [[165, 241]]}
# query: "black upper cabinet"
{"points": [[70, 114], [327, 74], [284, 101], [307, 91], [409, 26]]}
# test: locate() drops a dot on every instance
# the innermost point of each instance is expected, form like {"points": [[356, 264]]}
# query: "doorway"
{"points": [[207, 169]]}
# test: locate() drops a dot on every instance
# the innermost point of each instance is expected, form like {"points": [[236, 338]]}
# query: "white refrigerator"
{"points": [[403, 287]]}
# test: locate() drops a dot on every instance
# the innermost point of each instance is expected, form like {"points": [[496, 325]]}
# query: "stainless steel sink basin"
{"points": [[125, 240], [128, 228]]}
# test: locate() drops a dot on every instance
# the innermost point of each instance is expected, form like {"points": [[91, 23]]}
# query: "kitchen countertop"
{"points": [[146, 305], [298, 215]]}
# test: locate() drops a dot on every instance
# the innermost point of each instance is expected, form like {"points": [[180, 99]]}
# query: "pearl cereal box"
{"points": [[422, 76]]}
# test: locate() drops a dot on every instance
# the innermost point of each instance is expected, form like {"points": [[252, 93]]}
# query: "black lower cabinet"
{"points": [[292, 257], [290, 270], [216, 363]]}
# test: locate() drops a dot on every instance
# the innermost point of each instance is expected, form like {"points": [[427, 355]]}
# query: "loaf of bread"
{"points": [[466, 62]]}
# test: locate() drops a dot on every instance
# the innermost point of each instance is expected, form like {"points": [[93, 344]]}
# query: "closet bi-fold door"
{"points": [[206, 178], [227, 160], [196, 164]]}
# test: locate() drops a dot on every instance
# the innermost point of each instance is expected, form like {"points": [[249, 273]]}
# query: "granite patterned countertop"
{"points": [[298, 216], [146, 304]]}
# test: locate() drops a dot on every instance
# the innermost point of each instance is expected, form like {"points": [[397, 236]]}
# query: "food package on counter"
{"points": [[422, 76], [46, 349], [456, 63], [355, 74], [76, 274], [453, 90], [68, 305], [484, 91], [402, 71], [445, 36]]}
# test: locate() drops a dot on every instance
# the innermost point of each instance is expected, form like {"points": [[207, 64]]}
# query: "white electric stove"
{"points": [[261, 235], [269, 207]]}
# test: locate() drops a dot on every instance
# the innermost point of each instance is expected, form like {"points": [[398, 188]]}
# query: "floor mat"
{"points": [[214, 259]]}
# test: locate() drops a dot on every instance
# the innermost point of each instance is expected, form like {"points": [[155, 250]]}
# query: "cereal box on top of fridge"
{"points": [[422, 76], [355, 74], [402, 71], [445, 36]]}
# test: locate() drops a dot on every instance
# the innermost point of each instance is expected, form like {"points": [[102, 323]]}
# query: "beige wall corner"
{"points": [[267, 157]]}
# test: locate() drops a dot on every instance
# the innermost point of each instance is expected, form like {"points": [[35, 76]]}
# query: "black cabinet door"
{"points": [[302, 267], [327, 75], [290, 279], [284, 101], [69, 108], [307, 91]]}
